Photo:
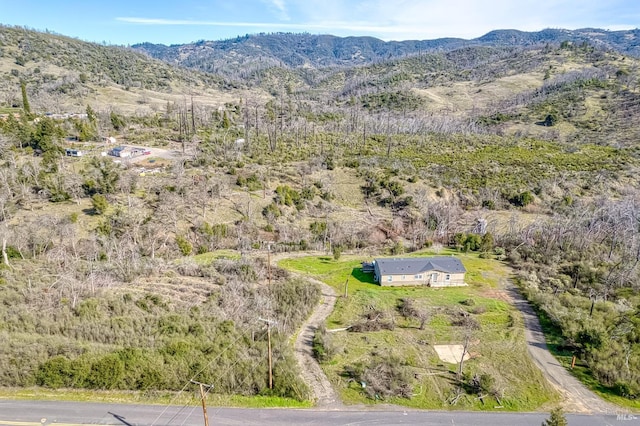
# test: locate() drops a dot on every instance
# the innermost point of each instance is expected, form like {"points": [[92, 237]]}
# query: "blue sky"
{"points": [[183, 21]]}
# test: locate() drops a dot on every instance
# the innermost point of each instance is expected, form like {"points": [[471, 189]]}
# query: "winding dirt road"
{"points": [[323, 393], [578, 399]]}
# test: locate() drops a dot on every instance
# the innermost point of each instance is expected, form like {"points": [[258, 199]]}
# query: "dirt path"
{"points": [[323, 393], [577, 398]]}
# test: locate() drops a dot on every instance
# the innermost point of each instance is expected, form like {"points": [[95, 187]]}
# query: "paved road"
{"points": [[578, 399], [34, 413]]}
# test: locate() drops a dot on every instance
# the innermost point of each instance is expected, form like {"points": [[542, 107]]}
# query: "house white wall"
{"points": [[431, 278]]}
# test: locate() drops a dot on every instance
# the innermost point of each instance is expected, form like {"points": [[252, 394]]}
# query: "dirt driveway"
{"points": [[578, 399], [323, 393]]}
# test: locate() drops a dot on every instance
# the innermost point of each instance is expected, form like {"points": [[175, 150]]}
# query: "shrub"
{"points": [[374, 320], [337, 252], [287, 196], [99, 203], [556, 418], [398, 248], [522, 200], [386, 378], [479, 383], [272, 210], [489, 204], [627, 389], [106, 372], [323, 349], [55, 373], [185, 247]]}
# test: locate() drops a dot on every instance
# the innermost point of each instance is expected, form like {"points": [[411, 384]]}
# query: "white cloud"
{"points": [[463, 18], [425, 19], [280, 7]]}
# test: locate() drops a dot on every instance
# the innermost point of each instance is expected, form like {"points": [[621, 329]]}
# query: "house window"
{"points": [[390, 278], [447, 277], [434, 277], [404, 277], [418, 276]]}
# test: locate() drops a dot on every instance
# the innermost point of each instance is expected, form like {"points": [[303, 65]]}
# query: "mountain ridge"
{"points": [[317, 51]]}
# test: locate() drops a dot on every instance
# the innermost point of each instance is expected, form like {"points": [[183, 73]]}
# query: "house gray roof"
{"points": [[415, 265]]}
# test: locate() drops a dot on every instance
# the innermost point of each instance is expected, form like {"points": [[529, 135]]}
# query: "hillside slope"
{"points": [[65, 74], [237, 55]]}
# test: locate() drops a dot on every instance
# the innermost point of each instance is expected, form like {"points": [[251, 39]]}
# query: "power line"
{"points": [[194, 376]]}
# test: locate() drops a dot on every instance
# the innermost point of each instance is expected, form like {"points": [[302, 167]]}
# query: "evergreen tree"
{"points": [[99, 203], [226, 123], [46, 135], [25, 99], [91, 115]]}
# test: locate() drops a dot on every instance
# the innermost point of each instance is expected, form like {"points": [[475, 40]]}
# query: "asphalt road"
{"points": [[34, 413]]}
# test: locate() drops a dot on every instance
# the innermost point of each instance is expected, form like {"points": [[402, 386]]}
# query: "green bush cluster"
{"points": [[287, 196]]}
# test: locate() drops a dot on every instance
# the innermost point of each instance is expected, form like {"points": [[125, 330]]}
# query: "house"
{"points": [[440, 271], [120, 151], [73, 152]]}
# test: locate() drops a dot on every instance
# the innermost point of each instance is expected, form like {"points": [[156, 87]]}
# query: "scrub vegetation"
{"points": [[138, 274]]}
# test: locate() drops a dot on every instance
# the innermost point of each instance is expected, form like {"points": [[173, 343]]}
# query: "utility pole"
{"points": [[202, 395], [269, 324]]}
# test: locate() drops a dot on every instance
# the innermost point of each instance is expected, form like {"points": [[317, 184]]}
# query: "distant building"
{"points": [[128, 151], [120, 151], [440, 271], [73, 152]]}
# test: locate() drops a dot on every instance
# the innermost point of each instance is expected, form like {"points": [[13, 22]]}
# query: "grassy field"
{"points": [[498, 347], [151, 397]]}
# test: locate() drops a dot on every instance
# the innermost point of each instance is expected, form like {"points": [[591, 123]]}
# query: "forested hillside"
{"points": [[136, 274], [238, 54]]}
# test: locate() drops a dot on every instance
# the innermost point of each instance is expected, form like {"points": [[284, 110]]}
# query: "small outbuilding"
{"points": [[73, 152], [439, 271]]}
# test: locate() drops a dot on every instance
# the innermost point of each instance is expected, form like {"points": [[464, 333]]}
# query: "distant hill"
{"points": [[240, 55], [507, 81], [65, 74]]}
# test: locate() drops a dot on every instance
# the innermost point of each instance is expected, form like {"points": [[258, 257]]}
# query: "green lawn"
{"points": [[208, 257], [498, 347]]}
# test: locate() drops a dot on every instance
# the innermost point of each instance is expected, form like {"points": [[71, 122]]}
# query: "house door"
{"points": [[434, 277]]}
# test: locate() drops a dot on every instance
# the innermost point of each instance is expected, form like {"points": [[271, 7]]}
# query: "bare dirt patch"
{"points": [[451, 353]]}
